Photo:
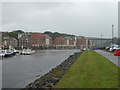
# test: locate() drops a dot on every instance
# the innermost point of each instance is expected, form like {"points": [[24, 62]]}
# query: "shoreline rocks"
{"points": [[52, 77]]}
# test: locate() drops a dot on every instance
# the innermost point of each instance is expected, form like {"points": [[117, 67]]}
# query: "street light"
{"points": [[112, 33], [101, 40]]}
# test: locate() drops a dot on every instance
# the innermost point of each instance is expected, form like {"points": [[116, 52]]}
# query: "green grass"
{"points": [[91, 70]]}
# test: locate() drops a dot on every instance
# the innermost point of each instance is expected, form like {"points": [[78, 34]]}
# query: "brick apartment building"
{"points": [[40, 39], [37, 40], [65, 42], [83, 42], [1, 39], [43, 40], [60, 41], [70, 41]]}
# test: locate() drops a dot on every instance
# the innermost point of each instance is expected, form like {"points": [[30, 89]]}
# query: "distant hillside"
{"points": [[56, 34], [15, 33]]}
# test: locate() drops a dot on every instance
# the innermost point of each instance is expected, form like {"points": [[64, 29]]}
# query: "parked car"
{"points": [[117, 52], [115, 48], [112, 49]]}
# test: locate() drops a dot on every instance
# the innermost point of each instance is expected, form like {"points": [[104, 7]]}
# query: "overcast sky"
{"points": [[89, 19]]}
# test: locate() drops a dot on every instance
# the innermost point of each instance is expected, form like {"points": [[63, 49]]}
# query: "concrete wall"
{"points": [[98, 42]]}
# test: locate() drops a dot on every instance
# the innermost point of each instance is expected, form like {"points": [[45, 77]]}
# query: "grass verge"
{"points": [[91, 70]]}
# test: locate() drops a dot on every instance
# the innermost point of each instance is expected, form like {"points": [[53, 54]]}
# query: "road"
{"points": [[110, 57]]}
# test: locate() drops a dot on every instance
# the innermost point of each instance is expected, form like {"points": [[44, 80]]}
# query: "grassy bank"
{"points": [[91, 70], [53, 76]]}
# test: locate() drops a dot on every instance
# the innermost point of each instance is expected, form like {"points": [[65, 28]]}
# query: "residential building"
{"points": [[0, 39], [48, 40], [9, 42], [60, 41], [23, 41], [70, 41], [39, 39], [83, 42]]}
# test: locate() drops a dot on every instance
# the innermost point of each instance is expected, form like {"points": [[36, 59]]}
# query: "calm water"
{"points": [[20, 70]]}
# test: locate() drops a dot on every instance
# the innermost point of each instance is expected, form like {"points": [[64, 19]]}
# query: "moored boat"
{"points": [[27, 52], [2, 53], [15, 51], [8, 53]]}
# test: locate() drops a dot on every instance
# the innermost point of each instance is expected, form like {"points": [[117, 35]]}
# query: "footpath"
{"points": [[110, 57]]}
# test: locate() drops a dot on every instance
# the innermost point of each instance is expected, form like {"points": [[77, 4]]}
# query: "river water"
{"points": [[20, 70]]}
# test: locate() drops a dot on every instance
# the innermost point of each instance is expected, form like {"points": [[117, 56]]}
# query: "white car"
{"points": [[113, 49]]}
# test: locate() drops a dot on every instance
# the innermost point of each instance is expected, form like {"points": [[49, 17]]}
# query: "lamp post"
{"points": [[101, 40], [112, 33]]}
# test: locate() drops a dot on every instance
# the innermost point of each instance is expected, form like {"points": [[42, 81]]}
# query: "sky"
{"points": [[90, 19]]}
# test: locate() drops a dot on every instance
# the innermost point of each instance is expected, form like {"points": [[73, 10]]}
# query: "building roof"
{"points": [[60, 38], [9, 38], [39, 34], [47, 36], [79, 37], [21, 36], [68, 38]]}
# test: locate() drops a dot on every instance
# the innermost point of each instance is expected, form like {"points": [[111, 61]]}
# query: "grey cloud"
{"points": [[89, 19]]}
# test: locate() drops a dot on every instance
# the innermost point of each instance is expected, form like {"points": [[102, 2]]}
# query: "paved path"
{"points": [[110, 57]]}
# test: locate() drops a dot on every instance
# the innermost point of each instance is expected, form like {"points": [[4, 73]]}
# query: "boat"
{"points": [[15, 51], [8, 53], [27, 52], [2, 53]]}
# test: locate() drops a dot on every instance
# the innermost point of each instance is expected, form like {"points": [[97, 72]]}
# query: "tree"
{"points": [[56, 34], [15, 33]]}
